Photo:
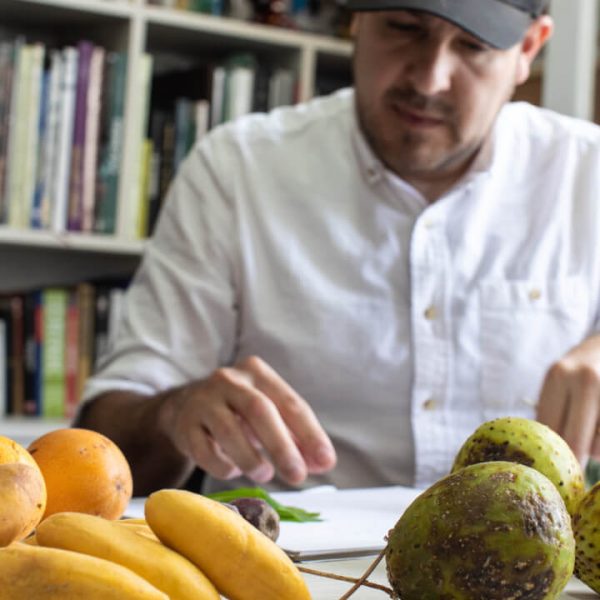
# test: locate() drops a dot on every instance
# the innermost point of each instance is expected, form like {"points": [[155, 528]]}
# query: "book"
{"points": [[111, 131], [239, 88], [217, 98], [32, 131], [64, 145], [129, 208], [18, 136], [8, 50], [54, 306], [33, 334], [11, 312], [4, 408], [72, 327], [85, 50], [44, 200], [86, 307], [90, 150]]}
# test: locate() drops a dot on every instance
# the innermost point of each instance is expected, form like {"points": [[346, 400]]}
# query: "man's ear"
{"points": [[537, 35]]}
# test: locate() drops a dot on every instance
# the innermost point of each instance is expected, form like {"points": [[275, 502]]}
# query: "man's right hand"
{"points": [[246, 419]]}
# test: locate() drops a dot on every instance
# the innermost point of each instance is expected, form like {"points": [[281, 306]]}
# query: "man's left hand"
{"points": [[569, 401]]}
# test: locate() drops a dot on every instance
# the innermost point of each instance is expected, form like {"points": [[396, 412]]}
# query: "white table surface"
{"points": [[329, 589]]}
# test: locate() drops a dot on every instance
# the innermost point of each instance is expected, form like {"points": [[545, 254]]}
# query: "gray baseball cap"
{"points": [[499, 23]]}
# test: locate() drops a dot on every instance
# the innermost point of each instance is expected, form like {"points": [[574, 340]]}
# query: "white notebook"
{"points": [[354, 522]]}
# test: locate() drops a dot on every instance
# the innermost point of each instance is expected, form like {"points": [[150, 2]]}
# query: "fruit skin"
{"points": [[260, 513], [586, 528], [494, 530], [164, 569], [242, 563], [22, 501], [529, 443], [13, 452], [84, 472], [31, 572]]}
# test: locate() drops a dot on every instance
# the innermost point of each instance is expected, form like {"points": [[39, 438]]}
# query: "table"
{"points": [[329, 589]]}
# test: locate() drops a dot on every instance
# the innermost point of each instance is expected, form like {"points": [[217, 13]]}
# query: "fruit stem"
{"points": [[358, 582]]}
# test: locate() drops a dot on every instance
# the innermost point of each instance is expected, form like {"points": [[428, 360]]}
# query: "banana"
{"points": [[32, 572], [242, 562], [139, 526], [162, 567]]}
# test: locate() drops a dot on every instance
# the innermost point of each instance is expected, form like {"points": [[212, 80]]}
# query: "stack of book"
{"points": [[61, 135], [51, 339], [186, 103]]}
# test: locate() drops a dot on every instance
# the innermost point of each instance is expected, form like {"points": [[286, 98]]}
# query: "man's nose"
{"points": [[432, 69]]}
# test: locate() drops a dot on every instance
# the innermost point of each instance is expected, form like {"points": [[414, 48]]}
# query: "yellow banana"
{"points": [[32, 572], [139, 526], [162, 567], [243, 563]]}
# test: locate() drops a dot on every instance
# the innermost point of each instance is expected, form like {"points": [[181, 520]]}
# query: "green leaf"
{"points": [[286, 513]]}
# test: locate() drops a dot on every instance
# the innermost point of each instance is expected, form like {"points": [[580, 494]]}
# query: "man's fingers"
{"points": [[582, 420], [226, 428], [553, 401], [204, 451], [312, 440]]}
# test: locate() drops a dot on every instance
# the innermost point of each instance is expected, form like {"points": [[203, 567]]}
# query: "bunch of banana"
{"points": [[188, 547]]}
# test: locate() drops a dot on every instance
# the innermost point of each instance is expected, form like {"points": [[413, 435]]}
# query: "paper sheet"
{"points": [[354, 522]]}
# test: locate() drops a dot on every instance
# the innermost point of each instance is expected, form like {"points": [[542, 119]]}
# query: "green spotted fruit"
{"points": [[493, 531], [586, 527], [530, 443]]}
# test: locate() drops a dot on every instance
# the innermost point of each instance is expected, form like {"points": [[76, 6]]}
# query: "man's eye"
{"points": [[474, 46], [404, 27]]}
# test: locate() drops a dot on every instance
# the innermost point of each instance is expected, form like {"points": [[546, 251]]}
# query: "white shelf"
{"points": [[70, 241], [25, 430]]}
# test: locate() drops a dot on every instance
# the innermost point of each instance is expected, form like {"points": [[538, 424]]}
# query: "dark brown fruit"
{"points": [[259, 513]]}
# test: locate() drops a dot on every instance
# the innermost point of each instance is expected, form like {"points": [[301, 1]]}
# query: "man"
{"points": [[343, 291]]}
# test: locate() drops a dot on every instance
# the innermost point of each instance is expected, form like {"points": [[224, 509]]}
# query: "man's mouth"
{"points": [[417, 118]]}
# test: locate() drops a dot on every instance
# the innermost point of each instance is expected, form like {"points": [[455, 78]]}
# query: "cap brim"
{"points": [[496, 23]]}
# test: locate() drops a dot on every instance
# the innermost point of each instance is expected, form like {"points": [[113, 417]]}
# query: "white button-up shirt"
{"points": [[404, 324]]}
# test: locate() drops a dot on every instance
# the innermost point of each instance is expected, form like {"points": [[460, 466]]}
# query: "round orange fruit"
{"points": [[84, 472]]}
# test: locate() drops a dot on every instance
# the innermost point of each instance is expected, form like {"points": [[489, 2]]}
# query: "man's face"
{"points": [[428, 92]]}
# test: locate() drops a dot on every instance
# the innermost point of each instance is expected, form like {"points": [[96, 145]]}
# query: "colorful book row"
{"points": [[50, 341]]}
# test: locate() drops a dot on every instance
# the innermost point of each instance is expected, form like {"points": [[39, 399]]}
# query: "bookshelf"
{"points": [[41, 255]]}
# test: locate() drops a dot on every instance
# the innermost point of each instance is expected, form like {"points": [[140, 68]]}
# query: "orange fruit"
{"points": [[84, 472]]}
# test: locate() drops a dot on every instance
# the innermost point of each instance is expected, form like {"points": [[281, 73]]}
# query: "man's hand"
{"points": [[247, 419], [570, 399]]}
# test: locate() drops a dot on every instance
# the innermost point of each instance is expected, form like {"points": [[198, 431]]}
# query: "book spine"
{"points": [[90, 155], [111, 141], [127, 219], [75, 212], [72, 326], [62, 166], [18, 138], [86, 303], [6, 76], [51, 139], [53, 357]]}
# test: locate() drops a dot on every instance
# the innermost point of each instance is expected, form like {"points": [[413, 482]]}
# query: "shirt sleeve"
{"points": [[180, 311]]}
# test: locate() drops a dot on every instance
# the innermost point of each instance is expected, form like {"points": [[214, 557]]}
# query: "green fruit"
{"points": [[494, 531], [529, 443], [586, 527]]}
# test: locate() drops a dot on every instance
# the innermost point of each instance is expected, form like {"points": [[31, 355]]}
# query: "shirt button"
{"points": [[535, 294], [430, 313], [429, 404]]}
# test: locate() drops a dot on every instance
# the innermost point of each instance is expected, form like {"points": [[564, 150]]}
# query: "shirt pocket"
{"points": [[525, 326]]}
